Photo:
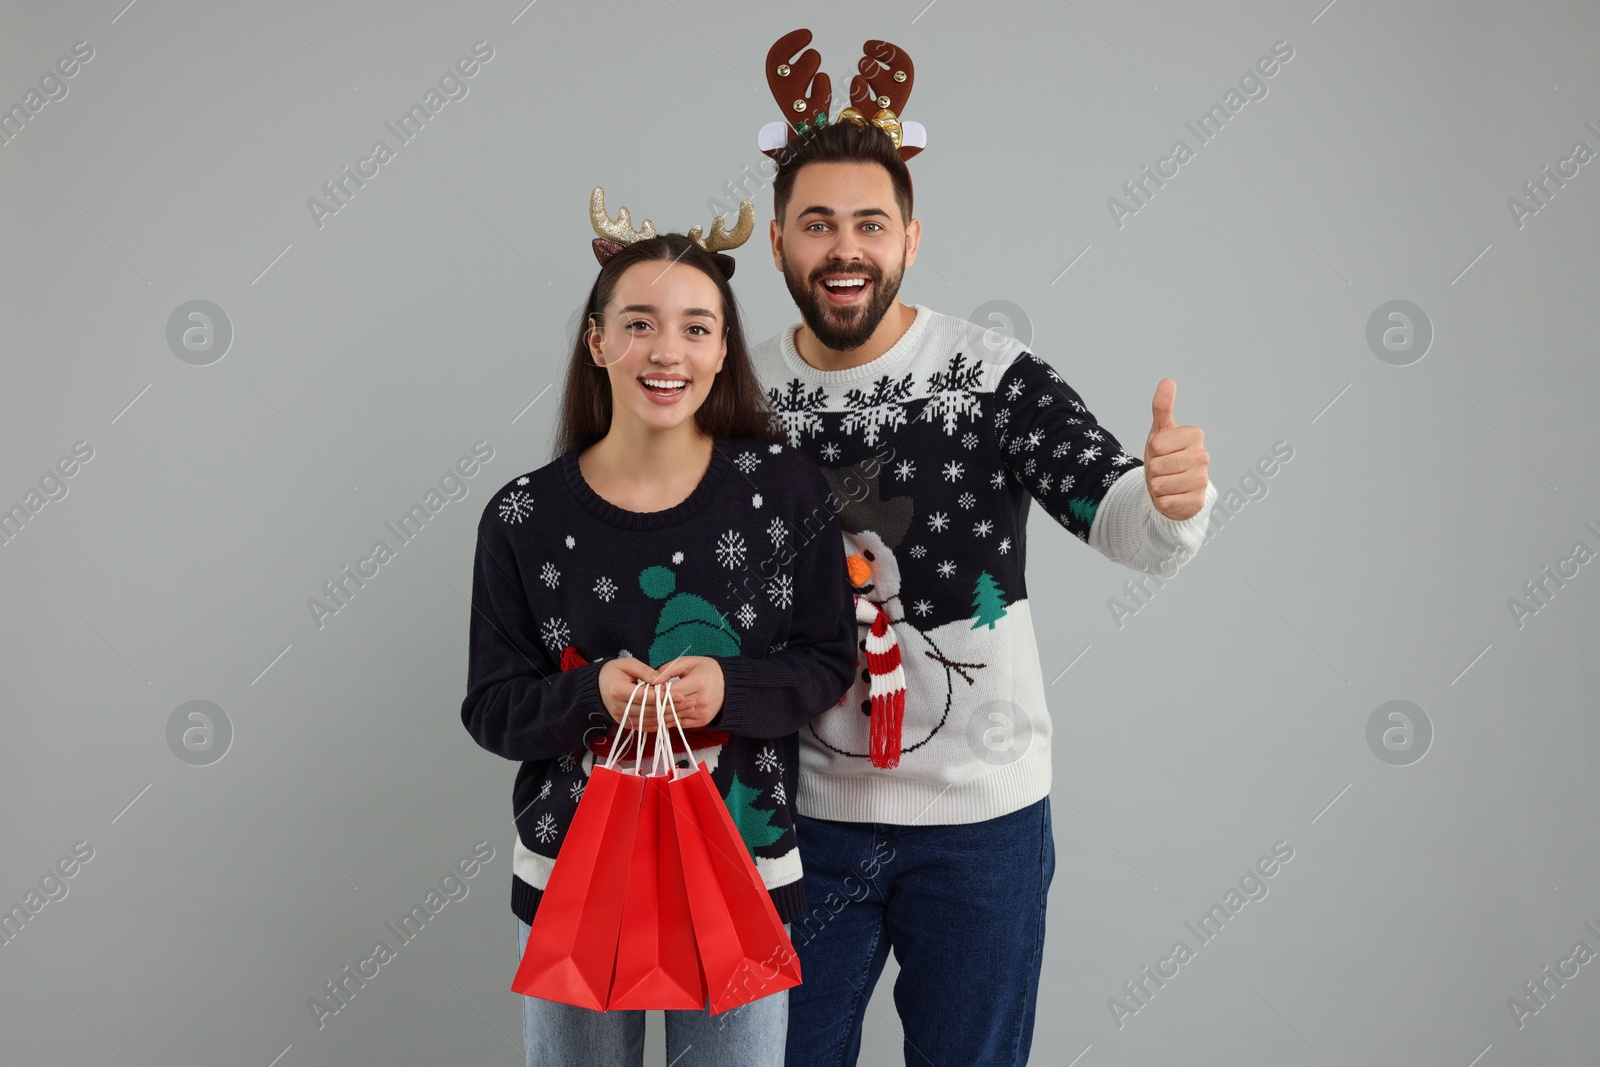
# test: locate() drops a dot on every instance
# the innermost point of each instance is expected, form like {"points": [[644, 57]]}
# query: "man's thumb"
{"points": [[1161, 405]]}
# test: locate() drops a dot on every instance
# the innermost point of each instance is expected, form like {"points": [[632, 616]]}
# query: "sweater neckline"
{"points": [[607, 512], [889, 361]]}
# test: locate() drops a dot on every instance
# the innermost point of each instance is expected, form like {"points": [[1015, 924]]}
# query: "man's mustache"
{"points": [[866, 270]]}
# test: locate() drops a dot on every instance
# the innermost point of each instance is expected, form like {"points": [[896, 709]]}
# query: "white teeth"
{"points": [[659, 383], [845, 283]]}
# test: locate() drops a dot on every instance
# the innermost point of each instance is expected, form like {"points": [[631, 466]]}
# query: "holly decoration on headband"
{"points": [[817, 123]]}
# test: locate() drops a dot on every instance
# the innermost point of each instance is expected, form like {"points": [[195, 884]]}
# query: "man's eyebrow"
{"points": [[827, 212]]}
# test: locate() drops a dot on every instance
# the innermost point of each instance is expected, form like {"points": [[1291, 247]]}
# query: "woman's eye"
{"points": [[637, 322], [701, 330]]}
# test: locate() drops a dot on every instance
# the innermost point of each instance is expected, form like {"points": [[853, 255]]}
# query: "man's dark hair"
{"points": [[841, 142]]}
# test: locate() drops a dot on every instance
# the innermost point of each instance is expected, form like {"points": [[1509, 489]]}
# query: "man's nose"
{"points": [[846, 244]]}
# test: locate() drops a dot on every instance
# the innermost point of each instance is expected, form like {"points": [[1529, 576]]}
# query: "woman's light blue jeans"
{"points": [[563, 1035]]}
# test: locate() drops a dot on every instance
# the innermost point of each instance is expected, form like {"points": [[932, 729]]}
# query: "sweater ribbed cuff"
{"points": [[740, 698], [1185, 533], [588, 709]]}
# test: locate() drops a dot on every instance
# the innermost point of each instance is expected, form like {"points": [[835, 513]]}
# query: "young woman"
{"points": [[675, 536]]}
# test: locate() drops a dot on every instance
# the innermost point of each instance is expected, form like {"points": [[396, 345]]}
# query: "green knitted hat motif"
{"points": [[689, 625]]}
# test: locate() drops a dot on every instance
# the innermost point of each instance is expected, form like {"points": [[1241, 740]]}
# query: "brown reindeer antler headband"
{"points": [[804, 93], [616, 234]]}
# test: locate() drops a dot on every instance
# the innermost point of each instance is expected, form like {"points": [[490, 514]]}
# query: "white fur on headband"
{"points": [[773, 135], [776, 134]]}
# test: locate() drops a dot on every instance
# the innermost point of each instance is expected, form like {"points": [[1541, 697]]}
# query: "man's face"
{"points": [[843, 249]]}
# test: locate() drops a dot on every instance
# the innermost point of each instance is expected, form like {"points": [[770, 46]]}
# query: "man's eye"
{"points": [[873, 225], [816, 225]]}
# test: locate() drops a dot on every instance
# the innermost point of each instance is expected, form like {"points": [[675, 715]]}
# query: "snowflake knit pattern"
{"points": [[937, 449], [564, 580]]}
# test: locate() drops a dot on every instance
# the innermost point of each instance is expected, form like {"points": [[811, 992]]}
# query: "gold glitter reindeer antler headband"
{"points": [[616, 234], [804, 93]]}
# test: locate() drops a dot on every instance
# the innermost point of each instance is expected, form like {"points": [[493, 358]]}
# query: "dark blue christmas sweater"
{"points": [[750, 569]]}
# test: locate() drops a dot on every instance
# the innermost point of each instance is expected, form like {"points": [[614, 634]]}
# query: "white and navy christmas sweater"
{"points": [[936, 448], [564, 580]]}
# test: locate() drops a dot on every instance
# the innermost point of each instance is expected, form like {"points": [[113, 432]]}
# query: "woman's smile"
{"points": [[664, 389]]}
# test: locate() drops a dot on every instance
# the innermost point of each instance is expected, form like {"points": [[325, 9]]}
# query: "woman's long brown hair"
{"points": [[734, 407]]}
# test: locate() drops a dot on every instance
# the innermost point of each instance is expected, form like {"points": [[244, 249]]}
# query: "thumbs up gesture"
{"points": [[1176, 464]]}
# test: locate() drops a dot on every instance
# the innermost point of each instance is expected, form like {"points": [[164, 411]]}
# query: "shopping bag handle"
{"points": [[661, 751], [622, 728], [661, 732]]}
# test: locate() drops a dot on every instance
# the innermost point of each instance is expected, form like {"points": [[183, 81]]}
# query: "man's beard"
{"points": [[843, 328]]}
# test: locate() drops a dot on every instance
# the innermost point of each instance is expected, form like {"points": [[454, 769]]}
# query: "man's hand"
{"points": [[1176, 464], [697, 689]]}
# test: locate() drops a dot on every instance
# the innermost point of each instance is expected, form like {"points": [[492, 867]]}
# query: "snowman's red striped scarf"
{"points": [[886, 685]]}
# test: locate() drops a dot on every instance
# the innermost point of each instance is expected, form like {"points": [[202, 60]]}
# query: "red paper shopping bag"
{"points": [[744, 951], [658, 965], [572, 944]]}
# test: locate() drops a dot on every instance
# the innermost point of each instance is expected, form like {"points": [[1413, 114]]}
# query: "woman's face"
{"points": [[662, 340]]}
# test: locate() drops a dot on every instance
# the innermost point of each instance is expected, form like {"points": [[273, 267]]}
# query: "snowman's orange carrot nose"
{"points": [[860, 573]]}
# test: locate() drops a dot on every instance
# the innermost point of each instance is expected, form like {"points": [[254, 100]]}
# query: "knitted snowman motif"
{"points": [[876, 529], [689, 625]]}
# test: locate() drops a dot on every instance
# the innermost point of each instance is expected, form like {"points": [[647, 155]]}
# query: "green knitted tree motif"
{"points": [[1082, 509], [689, 625], [989, 599], [755, 824]]}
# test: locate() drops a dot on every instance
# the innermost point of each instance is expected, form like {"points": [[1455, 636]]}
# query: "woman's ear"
{"points": [[722, 356], [594, 337]]}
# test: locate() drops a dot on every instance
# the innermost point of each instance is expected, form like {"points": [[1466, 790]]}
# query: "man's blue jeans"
{"points": [[562, 1035], [963, 908]]}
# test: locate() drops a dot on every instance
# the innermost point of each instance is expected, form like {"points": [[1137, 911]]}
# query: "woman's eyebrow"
{"points": [[650, 309]]}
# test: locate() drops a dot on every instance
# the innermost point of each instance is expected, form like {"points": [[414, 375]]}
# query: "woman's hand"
{"points": [[617, 680], [697, 688]]}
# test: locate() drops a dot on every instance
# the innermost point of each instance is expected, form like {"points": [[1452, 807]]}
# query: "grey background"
{"points": [[433, 311]]}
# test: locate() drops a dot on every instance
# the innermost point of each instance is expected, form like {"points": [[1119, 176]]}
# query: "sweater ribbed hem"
{"points": [[922, 802], [524, 899], [788, 900]]}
